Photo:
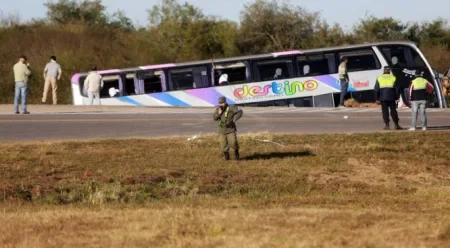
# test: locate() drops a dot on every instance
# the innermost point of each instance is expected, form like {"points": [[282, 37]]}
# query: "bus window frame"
{"points": [[214, 69], [334, 53], [374, 54], [256, 76], [170, 85]]}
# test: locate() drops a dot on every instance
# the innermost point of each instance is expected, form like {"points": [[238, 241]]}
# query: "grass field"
{"points": [[361, 190]]}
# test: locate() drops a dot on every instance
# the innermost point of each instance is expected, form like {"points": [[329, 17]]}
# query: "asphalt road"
{"points": [[123, 123]]}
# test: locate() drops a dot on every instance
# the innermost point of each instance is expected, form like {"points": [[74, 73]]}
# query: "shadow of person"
{"points": [[437, 128], [265, 156]]}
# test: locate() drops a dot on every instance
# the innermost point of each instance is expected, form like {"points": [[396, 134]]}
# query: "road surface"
{"points": [[75, 123]]}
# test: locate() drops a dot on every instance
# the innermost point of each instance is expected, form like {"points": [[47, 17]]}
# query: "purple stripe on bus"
{"points": [[149, 67], [209, 95], [287, 53], [75, 78]]}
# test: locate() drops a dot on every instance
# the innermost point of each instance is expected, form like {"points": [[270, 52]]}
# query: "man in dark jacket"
{"points": [[227, 115], [387, 92]]}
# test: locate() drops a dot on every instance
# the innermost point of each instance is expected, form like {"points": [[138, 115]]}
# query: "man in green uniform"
{"points": [[227, 115]]}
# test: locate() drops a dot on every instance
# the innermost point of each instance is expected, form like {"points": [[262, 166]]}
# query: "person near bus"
{"points": [[419, 89], [22, 73], [386, 93], [93, 84], [52, 73], [227, 115], [344, 80]]}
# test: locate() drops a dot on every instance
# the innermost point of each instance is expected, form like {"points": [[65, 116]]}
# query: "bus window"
{"points": [[316, 64], [148, 82], [401, 56], [129, 85], [234, 73], [273, 70], [110, 84], [361, 60], [152, 83], [189, 78]]}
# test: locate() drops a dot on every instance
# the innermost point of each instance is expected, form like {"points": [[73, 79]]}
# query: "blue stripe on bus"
{"points": [[169, 99], [329, 80], [130, 100]]}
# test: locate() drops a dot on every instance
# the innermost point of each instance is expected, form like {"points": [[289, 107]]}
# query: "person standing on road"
{"points": [[22, 73], [419, 89], [387, 92], [52, 72], [93, 84], [344, 80], [227, 115]]}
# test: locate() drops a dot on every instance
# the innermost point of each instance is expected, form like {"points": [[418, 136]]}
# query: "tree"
{"points": [[183, 32], [72, 11], [120, 21], [380, 29], [268, 26], [436, 33]]}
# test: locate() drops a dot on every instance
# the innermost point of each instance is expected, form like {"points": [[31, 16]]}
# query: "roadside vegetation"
{"points": [[82, 33], [359, 190]]}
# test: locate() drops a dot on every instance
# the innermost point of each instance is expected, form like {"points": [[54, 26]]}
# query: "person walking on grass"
{"points": [[22, 73], [52, 72], [93, 84], [419, 90], [227, 115]]}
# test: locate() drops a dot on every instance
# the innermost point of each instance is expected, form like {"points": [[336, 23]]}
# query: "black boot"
{"points": [[386, 125], [227, 155], [236, 155], [397, 127]]}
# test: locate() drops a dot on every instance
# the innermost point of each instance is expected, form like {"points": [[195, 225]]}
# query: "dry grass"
{"points": [[361, 190]]}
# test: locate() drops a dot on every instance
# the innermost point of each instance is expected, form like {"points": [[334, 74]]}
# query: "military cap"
{"points": [[222, 99]]}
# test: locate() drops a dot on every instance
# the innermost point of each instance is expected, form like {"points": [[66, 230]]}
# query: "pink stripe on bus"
{"points": [[75, 78], [148, 67], [287, 53], [109, 71]]}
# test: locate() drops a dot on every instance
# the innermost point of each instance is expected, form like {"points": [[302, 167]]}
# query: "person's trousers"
{"points": [[21, 91], [93, 95], [50, 81], [419, 106], [385, 107], [228, 141], [344, 89]]}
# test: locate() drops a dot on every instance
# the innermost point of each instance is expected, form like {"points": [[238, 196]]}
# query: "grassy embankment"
{"points": [[362, 190]]}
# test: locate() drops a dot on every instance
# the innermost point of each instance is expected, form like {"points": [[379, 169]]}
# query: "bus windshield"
{"points": [[401, 56]]}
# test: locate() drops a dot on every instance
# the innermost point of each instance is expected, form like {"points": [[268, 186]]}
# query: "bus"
{"points": [[299, 78]]}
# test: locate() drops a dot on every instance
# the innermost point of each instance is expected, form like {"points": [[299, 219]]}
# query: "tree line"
{"points": [[81, 33]]}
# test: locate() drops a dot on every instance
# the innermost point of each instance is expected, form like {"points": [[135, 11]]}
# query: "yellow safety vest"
{"points": [[419, 83], [386, 81]]}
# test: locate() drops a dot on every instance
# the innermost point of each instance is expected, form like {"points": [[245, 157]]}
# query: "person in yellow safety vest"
{"points": [[387, 92], [227, 115], [419, 89]]}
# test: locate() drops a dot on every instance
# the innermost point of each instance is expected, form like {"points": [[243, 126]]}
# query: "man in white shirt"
{"points": [[93, 84], [52, 72]]}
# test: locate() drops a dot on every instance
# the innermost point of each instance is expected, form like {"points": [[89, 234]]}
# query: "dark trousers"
{"points": [[344, 89], [385, 107]]}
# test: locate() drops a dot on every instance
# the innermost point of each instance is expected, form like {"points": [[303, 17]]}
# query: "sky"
{"points": [[344, 12]]}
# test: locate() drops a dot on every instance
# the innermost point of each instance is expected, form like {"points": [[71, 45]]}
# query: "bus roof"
{"points": [[252, 57]]}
